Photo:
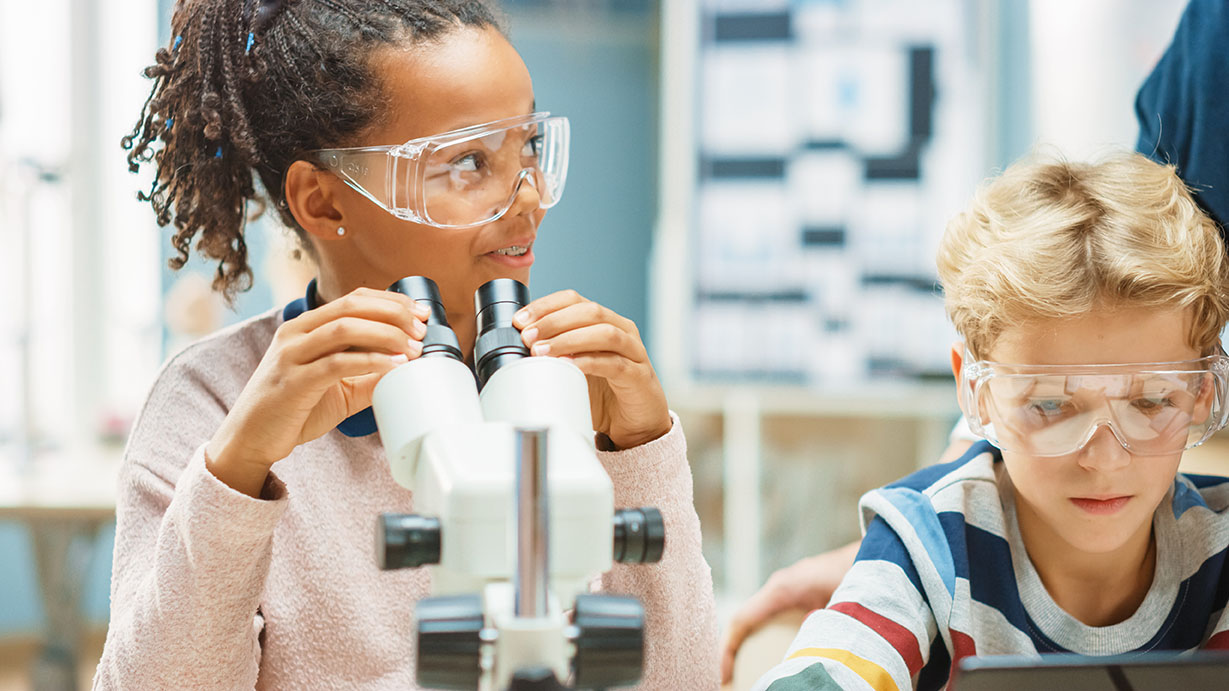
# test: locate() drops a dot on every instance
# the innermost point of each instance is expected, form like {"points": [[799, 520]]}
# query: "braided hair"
{"points": [[246, 88]]}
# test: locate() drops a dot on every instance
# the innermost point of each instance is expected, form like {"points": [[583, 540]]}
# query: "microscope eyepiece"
{"points": [[440, 339], [499, 342]]}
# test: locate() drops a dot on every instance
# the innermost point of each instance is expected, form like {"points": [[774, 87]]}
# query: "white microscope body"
{"points": [[491, 519]]}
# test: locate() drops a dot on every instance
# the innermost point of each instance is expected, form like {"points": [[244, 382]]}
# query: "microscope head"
{"points": [[464, 455]]}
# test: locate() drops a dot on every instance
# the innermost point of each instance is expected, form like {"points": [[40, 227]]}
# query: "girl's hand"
{"points": [[629, 405], [320, 369]]}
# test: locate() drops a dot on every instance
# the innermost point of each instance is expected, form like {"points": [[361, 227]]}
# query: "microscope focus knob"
{"points": [[449, 642], [609, 639], [639, 536], [407, 540]]}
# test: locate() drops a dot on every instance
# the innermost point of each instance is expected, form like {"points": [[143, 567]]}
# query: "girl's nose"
{"points": [[525, 199]]}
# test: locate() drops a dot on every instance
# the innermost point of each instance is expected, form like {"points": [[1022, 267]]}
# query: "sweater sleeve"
{"points": [[677, 592], [191, 554], [876, 633]]}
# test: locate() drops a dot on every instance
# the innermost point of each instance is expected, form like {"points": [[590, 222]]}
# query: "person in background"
{"points": [[1181, 109], [1184, 103], [253, 478], [1090, 299]]}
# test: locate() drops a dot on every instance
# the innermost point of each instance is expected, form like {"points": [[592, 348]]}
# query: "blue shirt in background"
{"points": [[1183, 106]]}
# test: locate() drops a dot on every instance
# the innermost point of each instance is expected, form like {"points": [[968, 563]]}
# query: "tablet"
{"points": [[1158, 671]]}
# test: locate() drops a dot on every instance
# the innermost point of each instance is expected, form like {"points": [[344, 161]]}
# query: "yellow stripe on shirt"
{"points": [[871, 673]]}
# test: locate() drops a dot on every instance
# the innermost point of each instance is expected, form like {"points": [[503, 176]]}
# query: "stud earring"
{"points": [[341, 231]]}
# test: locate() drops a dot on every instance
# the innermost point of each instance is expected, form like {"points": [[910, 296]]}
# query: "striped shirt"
{"points": [[943, 574]]}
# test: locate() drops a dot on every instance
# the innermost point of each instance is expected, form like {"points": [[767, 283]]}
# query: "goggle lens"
{"points": [[476, 180], [462, 178], [1150, 413]]}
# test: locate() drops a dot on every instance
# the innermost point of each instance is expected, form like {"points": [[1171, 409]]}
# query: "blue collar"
{"points": [[361, 423]]}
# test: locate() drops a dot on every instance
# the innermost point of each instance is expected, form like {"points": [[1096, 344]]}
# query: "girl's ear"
{"points": [[311, 197]]}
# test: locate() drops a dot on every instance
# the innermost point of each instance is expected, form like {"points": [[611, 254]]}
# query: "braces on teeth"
{"points": [[513, 251]]}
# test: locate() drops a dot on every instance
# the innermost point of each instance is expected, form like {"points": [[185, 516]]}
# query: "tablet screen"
{"points": [[1160, 671]]}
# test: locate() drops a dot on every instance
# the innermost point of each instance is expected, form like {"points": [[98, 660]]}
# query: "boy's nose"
{"points": [[1104, 451]]}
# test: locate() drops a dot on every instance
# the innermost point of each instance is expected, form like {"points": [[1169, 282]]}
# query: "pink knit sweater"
{"points": [[215, 590]]}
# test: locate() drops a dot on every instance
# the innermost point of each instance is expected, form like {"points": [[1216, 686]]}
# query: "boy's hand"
{"points": [[807, 584], [629, 405]]}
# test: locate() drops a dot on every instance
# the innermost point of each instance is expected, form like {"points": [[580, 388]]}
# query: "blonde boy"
{"points": [[1090, 298]]}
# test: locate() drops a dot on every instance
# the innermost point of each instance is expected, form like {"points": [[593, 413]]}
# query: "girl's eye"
{"points": [[469, 163], [533, 146]]}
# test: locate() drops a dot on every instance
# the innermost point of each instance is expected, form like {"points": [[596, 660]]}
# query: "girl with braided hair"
{"points": [[253, 477]]}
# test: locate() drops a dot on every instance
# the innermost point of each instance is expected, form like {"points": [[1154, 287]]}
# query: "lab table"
{"points": [[63, 500]]}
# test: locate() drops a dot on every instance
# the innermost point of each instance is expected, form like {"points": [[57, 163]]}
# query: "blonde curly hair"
{"points": [[1050, 238]]}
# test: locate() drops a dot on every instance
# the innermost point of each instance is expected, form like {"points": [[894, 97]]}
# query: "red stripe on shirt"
{"points": [[963, 646], [1219, 641], [899, 637]]}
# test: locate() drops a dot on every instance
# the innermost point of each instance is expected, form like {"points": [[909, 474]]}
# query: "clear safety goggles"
{"points": [[462, 178], [1152, 409]]}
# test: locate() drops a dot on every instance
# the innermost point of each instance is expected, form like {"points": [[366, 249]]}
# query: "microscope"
{"points": [[515, 514]]}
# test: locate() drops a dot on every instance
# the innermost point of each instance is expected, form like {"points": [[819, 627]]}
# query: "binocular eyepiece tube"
{"points": [[495, 302], [499, 341], [440, 339]]}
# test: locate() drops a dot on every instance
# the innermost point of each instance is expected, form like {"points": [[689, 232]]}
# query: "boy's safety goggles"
{"points": [[1152, 409], [462, 178]]}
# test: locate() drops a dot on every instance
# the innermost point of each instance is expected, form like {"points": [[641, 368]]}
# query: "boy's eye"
{"points": [[1048, 407], [1151, 405]]}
